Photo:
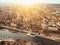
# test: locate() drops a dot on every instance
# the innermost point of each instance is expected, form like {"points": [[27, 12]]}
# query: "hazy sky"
{"points": [[40, 1]]}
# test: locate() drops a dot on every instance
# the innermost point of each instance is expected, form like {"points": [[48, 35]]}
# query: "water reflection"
{"points": [[9, 35]]}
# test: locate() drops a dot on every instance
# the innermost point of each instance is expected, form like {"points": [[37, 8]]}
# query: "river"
{"points": [[9, 35]]}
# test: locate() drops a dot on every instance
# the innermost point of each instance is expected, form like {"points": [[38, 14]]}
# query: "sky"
{"points": [[39, 1]]}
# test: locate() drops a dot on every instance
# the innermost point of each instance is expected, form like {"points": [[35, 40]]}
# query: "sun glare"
{"points": [[28, 2]]}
